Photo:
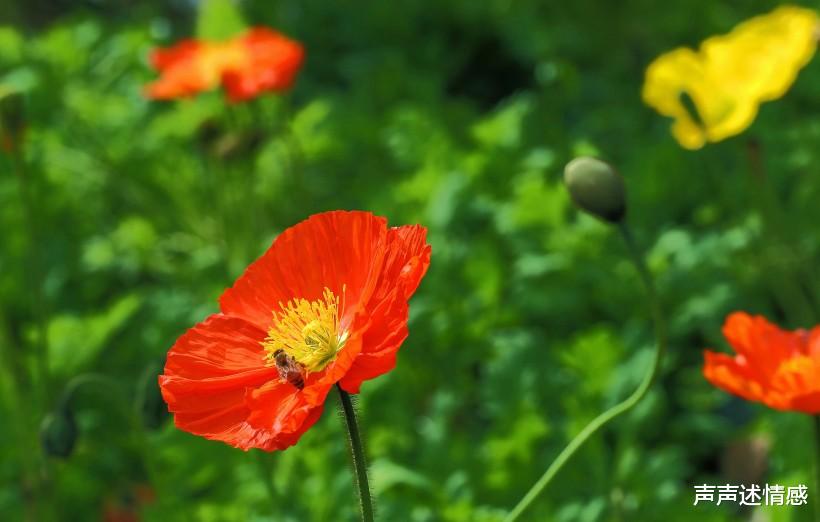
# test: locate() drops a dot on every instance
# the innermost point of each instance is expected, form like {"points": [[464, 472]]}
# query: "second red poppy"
{"points": [[256, 61]]}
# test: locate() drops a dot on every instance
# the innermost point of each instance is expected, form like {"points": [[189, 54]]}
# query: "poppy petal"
{"points": [[726, 373], [387, 332], [338, 250], [807, 403], [798, 378], [406, 262], [763, 345], [215, 383], [273, 61], [181, 74], [277, 407]]}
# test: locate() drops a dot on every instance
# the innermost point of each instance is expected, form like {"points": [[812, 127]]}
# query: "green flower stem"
{"points": [[265, 469], [216, 205], [35, 271], [357, 452], [120, 396], [88, 378], [793, 284], [601, 420], [800, 301], [816, 423], [14, 386], [37, 385]]}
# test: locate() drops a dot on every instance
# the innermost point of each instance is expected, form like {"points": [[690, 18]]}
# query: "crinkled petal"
{"points": [[339, 250], [778, 368], [798, 379], [217, 386], [387, 331], [763, 345], [728, 374], [406, 262]]}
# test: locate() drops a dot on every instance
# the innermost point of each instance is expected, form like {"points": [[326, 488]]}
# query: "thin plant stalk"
{"points": [[39, 386], [803, 304], [121, 398], [627, 404], [357, 453], [38, 301], [816, 428], [265, 469], [215, 202], [799, 298]]}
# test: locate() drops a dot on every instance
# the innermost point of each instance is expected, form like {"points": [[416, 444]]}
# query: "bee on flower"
{"points": [[326, 305]]}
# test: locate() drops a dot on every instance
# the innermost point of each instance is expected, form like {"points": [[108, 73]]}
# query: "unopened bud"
{"points": [[597, 188], [152, 409], [58, 433]]}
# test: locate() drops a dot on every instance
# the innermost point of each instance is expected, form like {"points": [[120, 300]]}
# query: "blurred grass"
{"points": [[459, 116]]}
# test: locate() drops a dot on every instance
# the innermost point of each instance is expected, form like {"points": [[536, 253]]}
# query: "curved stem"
{"points": [[87, 378], [601, 420], [130, 411], [357, 452]]}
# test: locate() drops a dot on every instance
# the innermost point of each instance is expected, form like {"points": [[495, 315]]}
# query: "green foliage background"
{"points": [[126, 218]]}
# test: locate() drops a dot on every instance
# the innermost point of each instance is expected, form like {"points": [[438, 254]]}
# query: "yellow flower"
{"points": [[731, 75]]}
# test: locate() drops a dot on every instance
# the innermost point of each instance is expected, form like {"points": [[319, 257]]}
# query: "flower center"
{"points": [[307, 333]]}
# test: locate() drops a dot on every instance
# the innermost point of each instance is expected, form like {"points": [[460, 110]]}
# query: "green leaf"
{"points": [[19, 80], [218, 20], [74, 342], [387, 474]]}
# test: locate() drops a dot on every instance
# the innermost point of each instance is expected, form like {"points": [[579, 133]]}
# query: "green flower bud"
{"points": [[597, 188], [58, 433], [152, 409]]}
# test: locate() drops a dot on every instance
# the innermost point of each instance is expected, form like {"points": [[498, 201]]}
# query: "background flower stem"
{"points": [[816, 423], [357, 452], [37, 277], [37, 385], [601, 420], [216, 189], [265, 468], [792, 275], [113, 389]]}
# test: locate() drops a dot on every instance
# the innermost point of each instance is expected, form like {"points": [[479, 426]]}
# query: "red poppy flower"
{"points": [[781, 369], [326, 304], [256, 61]]}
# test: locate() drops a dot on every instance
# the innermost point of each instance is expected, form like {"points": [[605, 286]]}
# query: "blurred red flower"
{"points": [[781, 369], [127, 507], [256, 61], [327, 303]]}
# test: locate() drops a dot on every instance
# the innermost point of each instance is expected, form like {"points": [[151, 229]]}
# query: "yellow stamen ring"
{"points": [[307, 331]]}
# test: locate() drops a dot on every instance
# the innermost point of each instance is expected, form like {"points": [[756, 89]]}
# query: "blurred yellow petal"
{"points": [[764, 54], [731, 75], [678, 71]]}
